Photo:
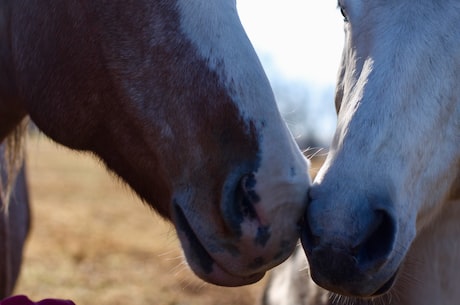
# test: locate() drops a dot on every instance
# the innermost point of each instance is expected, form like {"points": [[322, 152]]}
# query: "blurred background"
{"points": [[94, 242], [299, 43]]}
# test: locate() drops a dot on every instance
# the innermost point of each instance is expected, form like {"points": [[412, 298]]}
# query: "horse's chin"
{"points": [[220, 276], [204, 265], [382, 295]]}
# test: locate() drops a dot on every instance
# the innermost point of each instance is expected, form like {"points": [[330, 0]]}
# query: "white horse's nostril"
{"points": [[347, 240], [374, 250]]}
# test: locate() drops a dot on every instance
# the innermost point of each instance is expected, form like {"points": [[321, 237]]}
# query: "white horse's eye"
{"points": [[343, 12]]}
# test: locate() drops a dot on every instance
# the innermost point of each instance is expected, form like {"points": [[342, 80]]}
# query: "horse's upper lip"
{"points": [[201, 262]]}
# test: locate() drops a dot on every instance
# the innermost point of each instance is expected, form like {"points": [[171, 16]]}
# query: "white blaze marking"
{"points": [[214, 27]]}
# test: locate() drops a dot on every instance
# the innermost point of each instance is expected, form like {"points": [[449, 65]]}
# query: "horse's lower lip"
{"points": [[201, 262], [221, 277], [387, 286]]}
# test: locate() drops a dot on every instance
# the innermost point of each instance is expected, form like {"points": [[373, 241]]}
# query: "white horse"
{"points": [[383, 221]]}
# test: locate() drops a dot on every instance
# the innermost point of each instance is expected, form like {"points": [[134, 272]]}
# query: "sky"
{"points": [[299, 41], [303, 39]]}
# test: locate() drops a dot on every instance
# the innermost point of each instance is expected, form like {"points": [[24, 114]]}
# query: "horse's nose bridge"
{"points": [[332, 217], [333, 226]]}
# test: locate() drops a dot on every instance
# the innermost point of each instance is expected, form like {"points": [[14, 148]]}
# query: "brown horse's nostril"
{"points": [[242, 207], [247, 196]]}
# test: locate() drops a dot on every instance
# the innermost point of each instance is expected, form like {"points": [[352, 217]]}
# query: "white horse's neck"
{"points": [[430, 274]]}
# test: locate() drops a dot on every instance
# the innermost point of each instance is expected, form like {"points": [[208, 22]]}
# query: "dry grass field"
{"points": [[94, 242]]}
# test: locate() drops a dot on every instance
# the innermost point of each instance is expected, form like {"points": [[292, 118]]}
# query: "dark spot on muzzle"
{"points": [[257, 263], [263, 235], [293, 172], [248, 196], [249, 183], [286, 247]]}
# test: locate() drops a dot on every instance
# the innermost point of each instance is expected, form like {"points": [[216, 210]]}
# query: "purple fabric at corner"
{"points": [[23, 300]]}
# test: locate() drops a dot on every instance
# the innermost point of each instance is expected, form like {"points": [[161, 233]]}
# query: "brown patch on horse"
{"points": [[113, 83], [11, 111]]}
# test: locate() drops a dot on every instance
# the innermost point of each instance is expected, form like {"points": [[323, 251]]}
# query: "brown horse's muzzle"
{"points": [[254, 228]]}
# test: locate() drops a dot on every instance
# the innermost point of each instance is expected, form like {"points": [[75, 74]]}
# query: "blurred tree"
{"points": [[307, 115], [307, 109]]}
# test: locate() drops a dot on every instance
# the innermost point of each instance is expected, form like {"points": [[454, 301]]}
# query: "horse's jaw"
{"points": [[201, 260], [429, 274]]}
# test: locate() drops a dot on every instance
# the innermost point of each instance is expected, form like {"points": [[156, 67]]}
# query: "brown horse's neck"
{"points": [[11, 113], [9, 121]]}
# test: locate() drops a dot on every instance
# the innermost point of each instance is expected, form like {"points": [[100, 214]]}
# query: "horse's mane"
{"points": [[12, 157]]}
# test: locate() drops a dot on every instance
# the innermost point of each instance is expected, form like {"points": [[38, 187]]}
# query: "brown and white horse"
{"points": [[383, 221], [171, 96]]}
